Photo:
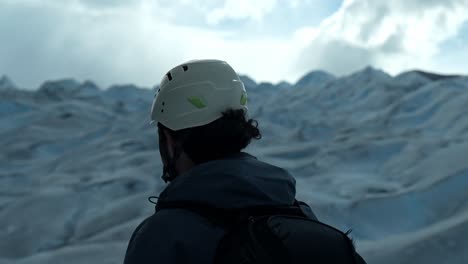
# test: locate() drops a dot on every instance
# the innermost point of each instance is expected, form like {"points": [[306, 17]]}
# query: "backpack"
{"points": [[273, 234]]}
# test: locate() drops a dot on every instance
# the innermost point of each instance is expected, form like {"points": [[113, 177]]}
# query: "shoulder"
{"points": [[173, 221], [171, 235], [307, 210], [137, 241]]}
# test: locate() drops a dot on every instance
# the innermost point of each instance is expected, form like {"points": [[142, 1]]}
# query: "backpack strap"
{"points": [[228, 217], [217, 216]]}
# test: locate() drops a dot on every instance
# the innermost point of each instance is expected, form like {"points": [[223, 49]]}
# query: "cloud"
{"points": [[241, 9], [128, 42], [137, 41], [112, 44], [394, 35]]}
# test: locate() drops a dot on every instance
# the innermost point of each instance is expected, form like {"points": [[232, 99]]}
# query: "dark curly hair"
{"points": [[227, 135]]}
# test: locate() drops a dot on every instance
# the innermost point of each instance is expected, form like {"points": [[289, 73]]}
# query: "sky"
{"points": [[138, 41]]}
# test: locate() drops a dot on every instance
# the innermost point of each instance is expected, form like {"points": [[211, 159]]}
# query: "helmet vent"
{"points": [[185, 68], [169, 76]]}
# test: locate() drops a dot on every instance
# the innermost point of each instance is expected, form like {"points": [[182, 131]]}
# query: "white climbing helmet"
{"points": [[196, 93]]}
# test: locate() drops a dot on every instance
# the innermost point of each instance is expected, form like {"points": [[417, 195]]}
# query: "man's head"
{"points": [[201, 113]]}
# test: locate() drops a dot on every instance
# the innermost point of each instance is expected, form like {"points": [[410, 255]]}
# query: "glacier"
{"points": [[383, 155]]}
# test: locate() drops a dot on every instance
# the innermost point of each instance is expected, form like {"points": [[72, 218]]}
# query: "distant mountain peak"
{"points": [[427, 75], [248, 82], [61, 85], [6, 83], [283, 85], [68, 88], [370, 72], [89, 85], [314, 78]]}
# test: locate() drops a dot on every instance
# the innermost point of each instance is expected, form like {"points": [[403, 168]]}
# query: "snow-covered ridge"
{"points": [[6, 83], [383, 155]]}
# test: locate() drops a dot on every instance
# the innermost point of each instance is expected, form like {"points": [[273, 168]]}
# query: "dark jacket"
{"points": [[182, 236]]}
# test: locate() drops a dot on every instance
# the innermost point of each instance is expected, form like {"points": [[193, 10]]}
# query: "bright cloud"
{"points": [[128, 42], [241, 9], [394, 35], [137, 41]]}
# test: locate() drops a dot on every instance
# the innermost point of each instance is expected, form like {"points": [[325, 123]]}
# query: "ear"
{"points": [[170, 143]]}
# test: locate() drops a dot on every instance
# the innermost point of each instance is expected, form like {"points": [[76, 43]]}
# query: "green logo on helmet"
{"points": [[243, 100], [197, 102]]}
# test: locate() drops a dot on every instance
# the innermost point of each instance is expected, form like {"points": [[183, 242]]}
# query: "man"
{"points": [[201, 114]]}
